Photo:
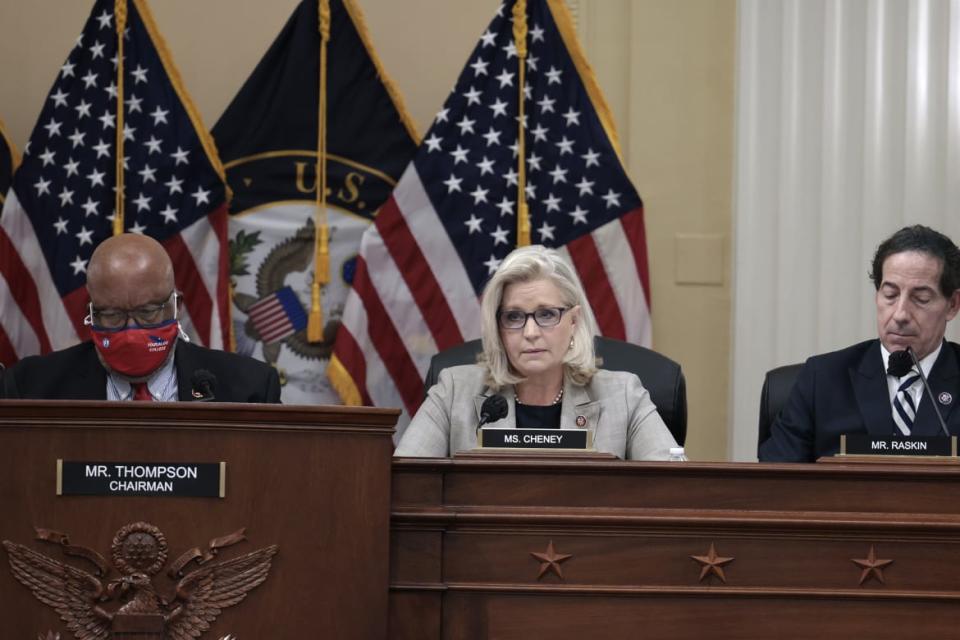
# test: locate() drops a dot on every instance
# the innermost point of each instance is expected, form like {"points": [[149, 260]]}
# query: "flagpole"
{"points": [[321, 246], [520, 40], [120, 17]]}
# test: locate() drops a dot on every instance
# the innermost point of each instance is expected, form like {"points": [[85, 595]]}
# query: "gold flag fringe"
{"points": [[14, 155]]}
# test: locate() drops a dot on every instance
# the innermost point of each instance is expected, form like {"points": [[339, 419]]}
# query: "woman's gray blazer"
{"points": [[614, 406]]}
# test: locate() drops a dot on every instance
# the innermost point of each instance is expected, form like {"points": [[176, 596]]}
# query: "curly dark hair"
{"points": [[925, 240]]}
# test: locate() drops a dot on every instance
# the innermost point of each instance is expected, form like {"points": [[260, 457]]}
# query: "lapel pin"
{"points": [[581, 422], [945, 397]]}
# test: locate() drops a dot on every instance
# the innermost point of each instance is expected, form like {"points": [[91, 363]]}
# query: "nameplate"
{"points": [[164, 479], [535, 438], [859, 444]]}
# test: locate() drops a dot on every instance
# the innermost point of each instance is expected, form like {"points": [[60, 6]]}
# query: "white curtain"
{"points": [[847, 128]]}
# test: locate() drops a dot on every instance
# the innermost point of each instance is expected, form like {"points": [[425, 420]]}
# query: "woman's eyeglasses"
{"points": [[517, 319]]}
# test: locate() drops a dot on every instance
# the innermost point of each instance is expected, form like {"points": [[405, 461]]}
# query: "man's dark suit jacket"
{"points": [[76, 374], [846, 392]]}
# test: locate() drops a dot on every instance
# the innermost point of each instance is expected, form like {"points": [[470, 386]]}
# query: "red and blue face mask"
{"points": [[135, 351]]}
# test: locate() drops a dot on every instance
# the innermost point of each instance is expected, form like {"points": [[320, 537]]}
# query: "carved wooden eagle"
{"points": [[73, 593], [200, 596]]}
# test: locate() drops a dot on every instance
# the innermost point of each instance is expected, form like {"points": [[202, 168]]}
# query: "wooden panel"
{"points": [[793, 544], [416, 616], [416, 555], [839, 488], [656, 618], [419, 488], [314, 482]]}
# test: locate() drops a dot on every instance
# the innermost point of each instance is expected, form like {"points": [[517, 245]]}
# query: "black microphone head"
{"points": [[203, 384], [899, 363], [493, 408]]}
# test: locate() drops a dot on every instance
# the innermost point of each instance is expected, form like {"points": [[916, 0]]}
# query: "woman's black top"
{"points": [[532, 416]]}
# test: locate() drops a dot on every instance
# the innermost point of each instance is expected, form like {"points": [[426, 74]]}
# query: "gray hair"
{"points": [[526, 264]]}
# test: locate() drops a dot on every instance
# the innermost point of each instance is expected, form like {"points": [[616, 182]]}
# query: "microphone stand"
{"points": [[926, 385]]}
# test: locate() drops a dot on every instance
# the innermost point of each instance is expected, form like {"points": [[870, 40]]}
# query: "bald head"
{"points": [[129, 271]]}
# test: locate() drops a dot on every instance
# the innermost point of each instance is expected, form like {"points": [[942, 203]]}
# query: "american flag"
{"points": [[278, 315], [61, 204], [452, 218]]}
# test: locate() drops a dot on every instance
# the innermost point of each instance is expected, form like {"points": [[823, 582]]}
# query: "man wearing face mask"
{"points": [[137, 350]]}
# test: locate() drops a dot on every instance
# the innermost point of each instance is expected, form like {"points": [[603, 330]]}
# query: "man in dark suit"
{"points": [[916, 273], [137, 350]]}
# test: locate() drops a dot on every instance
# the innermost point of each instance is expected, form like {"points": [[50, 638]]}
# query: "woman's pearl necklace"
{"points": [[555, 400]]}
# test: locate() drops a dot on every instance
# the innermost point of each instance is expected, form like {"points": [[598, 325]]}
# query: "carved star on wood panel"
{"points": [[872, 566], [713, 564], [550, 561]]}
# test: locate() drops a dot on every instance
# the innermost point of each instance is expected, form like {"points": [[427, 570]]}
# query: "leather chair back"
{"points": [[661, 376], [777, 385]]}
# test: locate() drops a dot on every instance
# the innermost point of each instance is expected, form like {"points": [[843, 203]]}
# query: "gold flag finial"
{"points": [[120, 18], [520, 28], [321, 231], [323, 15], [520, 42]]}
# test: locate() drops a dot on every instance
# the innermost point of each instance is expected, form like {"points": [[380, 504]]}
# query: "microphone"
{"points": [[202, 385], [900, 363], [898, 368], [492, 409]]}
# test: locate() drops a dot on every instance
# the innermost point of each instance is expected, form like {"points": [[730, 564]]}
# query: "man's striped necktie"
{"points": [[904, 409]]}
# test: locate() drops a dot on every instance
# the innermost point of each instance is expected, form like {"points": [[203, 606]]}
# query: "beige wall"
{"points": [[666, 66]]}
